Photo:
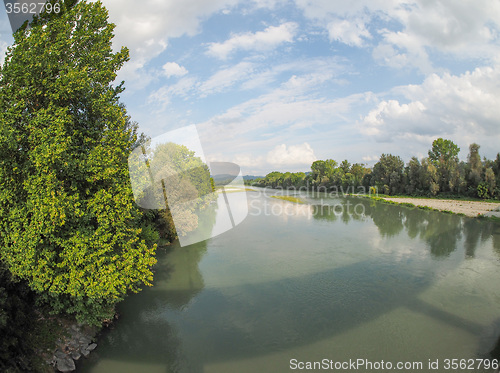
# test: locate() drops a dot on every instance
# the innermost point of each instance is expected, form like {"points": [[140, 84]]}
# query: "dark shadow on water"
{"points": [[258, 319]]}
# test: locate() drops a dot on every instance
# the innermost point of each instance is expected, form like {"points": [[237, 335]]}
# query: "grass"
{"points": [[425, 208], [407, 204], [289, 199], [495, 219]]}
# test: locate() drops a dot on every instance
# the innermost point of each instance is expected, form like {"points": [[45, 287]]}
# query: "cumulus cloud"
{"points": [[268, 39], [174, 69], [283, 155], [351, 33], [403, 115], [409, 31], [461, 106], [291, 157], [146, 27]]}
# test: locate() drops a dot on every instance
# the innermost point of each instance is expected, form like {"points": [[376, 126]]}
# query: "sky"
{"points": [[277, 84]]}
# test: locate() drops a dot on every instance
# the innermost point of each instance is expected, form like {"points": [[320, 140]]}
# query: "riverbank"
{"points": [[61, 342], [467, 208]]}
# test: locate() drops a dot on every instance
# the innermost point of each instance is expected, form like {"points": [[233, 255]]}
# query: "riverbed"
{"points": [[467, 208]]}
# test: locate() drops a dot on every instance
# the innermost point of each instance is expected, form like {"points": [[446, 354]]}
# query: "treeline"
{"points": [[441, 172]]}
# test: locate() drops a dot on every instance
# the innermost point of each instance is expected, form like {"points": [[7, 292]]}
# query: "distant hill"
{"points": [[251, 177]]}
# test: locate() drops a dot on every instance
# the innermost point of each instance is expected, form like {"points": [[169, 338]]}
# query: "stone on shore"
{"points": [[64, 363]]}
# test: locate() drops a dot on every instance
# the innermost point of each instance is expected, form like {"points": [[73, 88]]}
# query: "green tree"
{"points": [[322, 171], [387, 174], [443, 151], [181, 176], [496, 167], [68, 221], [413, 176], [429, 177], [358, 171], [475, 170], [490, 181], [273, 179], [297, 179], [444, 156]]}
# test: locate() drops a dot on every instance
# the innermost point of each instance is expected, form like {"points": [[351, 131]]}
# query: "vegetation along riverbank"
{"points": [[441, 176], [73, 241]]}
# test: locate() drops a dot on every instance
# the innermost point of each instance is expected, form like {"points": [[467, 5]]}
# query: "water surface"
{"points": [[352, 279]]}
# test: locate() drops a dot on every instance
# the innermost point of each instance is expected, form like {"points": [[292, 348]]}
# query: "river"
{"points": [[294, 283]]}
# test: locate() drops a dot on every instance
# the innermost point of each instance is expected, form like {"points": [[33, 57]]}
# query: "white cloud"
{"points": [[249, 161], [461, 107], [370, 158], [268, 39], [146, 27], [6, 37], [226, 78], [391, 110], [412, 32], [173, 69], [290, 157], [251, 75], [295, 155], [3, 50], [164, 95], [288, 112], [348, 32]]}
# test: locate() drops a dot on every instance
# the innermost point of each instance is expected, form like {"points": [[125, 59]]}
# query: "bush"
{"points": [[482, 190]]}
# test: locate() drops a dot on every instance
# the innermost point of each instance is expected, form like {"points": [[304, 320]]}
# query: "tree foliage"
{"points": [[68, 222], [178, 183], [440, 172], [387, 174]]}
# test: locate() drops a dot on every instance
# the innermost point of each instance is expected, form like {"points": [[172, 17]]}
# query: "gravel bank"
{"points": [[469, 208]]}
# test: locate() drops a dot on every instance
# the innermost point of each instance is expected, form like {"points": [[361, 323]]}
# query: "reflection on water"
{"points": [[380, 282]]}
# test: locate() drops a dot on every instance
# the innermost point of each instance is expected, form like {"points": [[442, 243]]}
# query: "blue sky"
{"points": [[277, 84]]}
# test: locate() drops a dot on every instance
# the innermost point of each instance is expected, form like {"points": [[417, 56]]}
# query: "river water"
{"points": [[338, 279]]}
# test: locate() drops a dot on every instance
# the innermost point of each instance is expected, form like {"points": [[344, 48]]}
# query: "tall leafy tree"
{"points": [[387, 174], [475, 172], [68, 222], [444, 156]]}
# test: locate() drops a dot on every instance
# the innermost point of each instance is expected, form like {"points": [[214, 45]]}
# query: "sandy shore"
{"points": [[469, 208]]}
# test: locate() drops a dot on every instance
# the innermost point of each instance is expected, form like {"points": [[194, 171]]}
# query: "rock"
{"points": [[64, 363], [59, 354], [75, 355], [74, 345], [92, 346], [85, 352], [84, 340]]}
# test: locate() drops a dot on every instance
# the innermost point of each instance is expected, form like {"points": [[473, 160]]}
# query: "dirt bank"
{"points": [[468, 208]]}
